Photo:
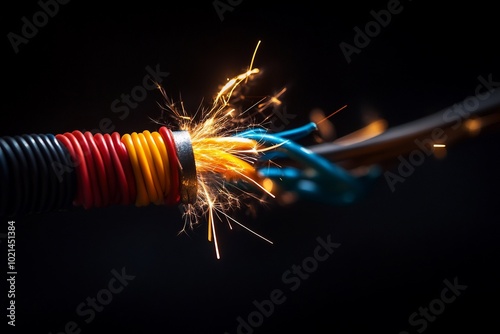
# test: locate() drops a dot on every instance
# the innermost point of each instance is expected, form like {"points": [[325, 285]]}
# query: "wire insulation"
{"points": [[41, 173]]}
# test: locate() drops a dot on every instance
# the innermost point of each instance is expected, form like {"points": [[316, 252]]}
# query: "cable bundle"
{"points": [[42, 173]]}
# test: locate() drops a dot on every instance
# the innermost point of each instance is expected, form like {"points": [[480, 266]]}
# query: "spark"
{"points": [[272, 101], [333, 113], [223, 160], [439, 145], [246, 228], [253, 58]]}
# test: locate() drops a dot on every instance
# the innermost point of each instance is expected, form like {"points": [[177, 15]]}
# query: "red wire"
{"points": [[83, 175], [102, 177], [127, 167], [122, 196], [174, 193], [108, 166], [94, 186]]}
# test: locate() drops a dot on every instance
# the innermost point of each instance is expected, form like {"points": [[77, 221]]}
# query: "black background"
{"points": [[396, 248]]}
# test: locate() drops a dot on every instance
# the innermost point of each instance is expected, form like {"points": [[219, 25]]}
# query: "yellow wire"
{"points": [[226, 164], [153, 184], [144, 167], [158, 140], [157, 161], [142, 196], [227, 143], [149, 158]]}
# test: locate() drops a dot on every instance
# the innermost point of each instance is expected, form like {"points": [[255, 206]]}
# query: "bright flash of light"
{"points": [[224, 163]]}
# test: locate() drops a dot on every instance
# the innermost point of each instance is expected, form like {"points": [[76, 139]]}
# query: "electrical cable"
{"points": [[203, 165], [161, 167]]}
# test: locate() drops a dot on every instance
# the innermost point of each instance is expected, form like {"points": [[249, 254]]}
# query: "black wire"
{"points": [[41, 202], [32, 174], [57, 184], [401, 139], [52, 191]]}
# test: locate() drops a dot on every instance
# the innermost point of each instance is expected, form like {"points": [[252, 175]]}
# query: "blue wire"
{"points": [[320, 180], [292, 134]]}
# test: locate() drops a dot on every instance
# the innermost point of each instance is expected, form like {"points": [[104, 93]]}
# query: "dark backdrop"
{"points": [[396, 248]]}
